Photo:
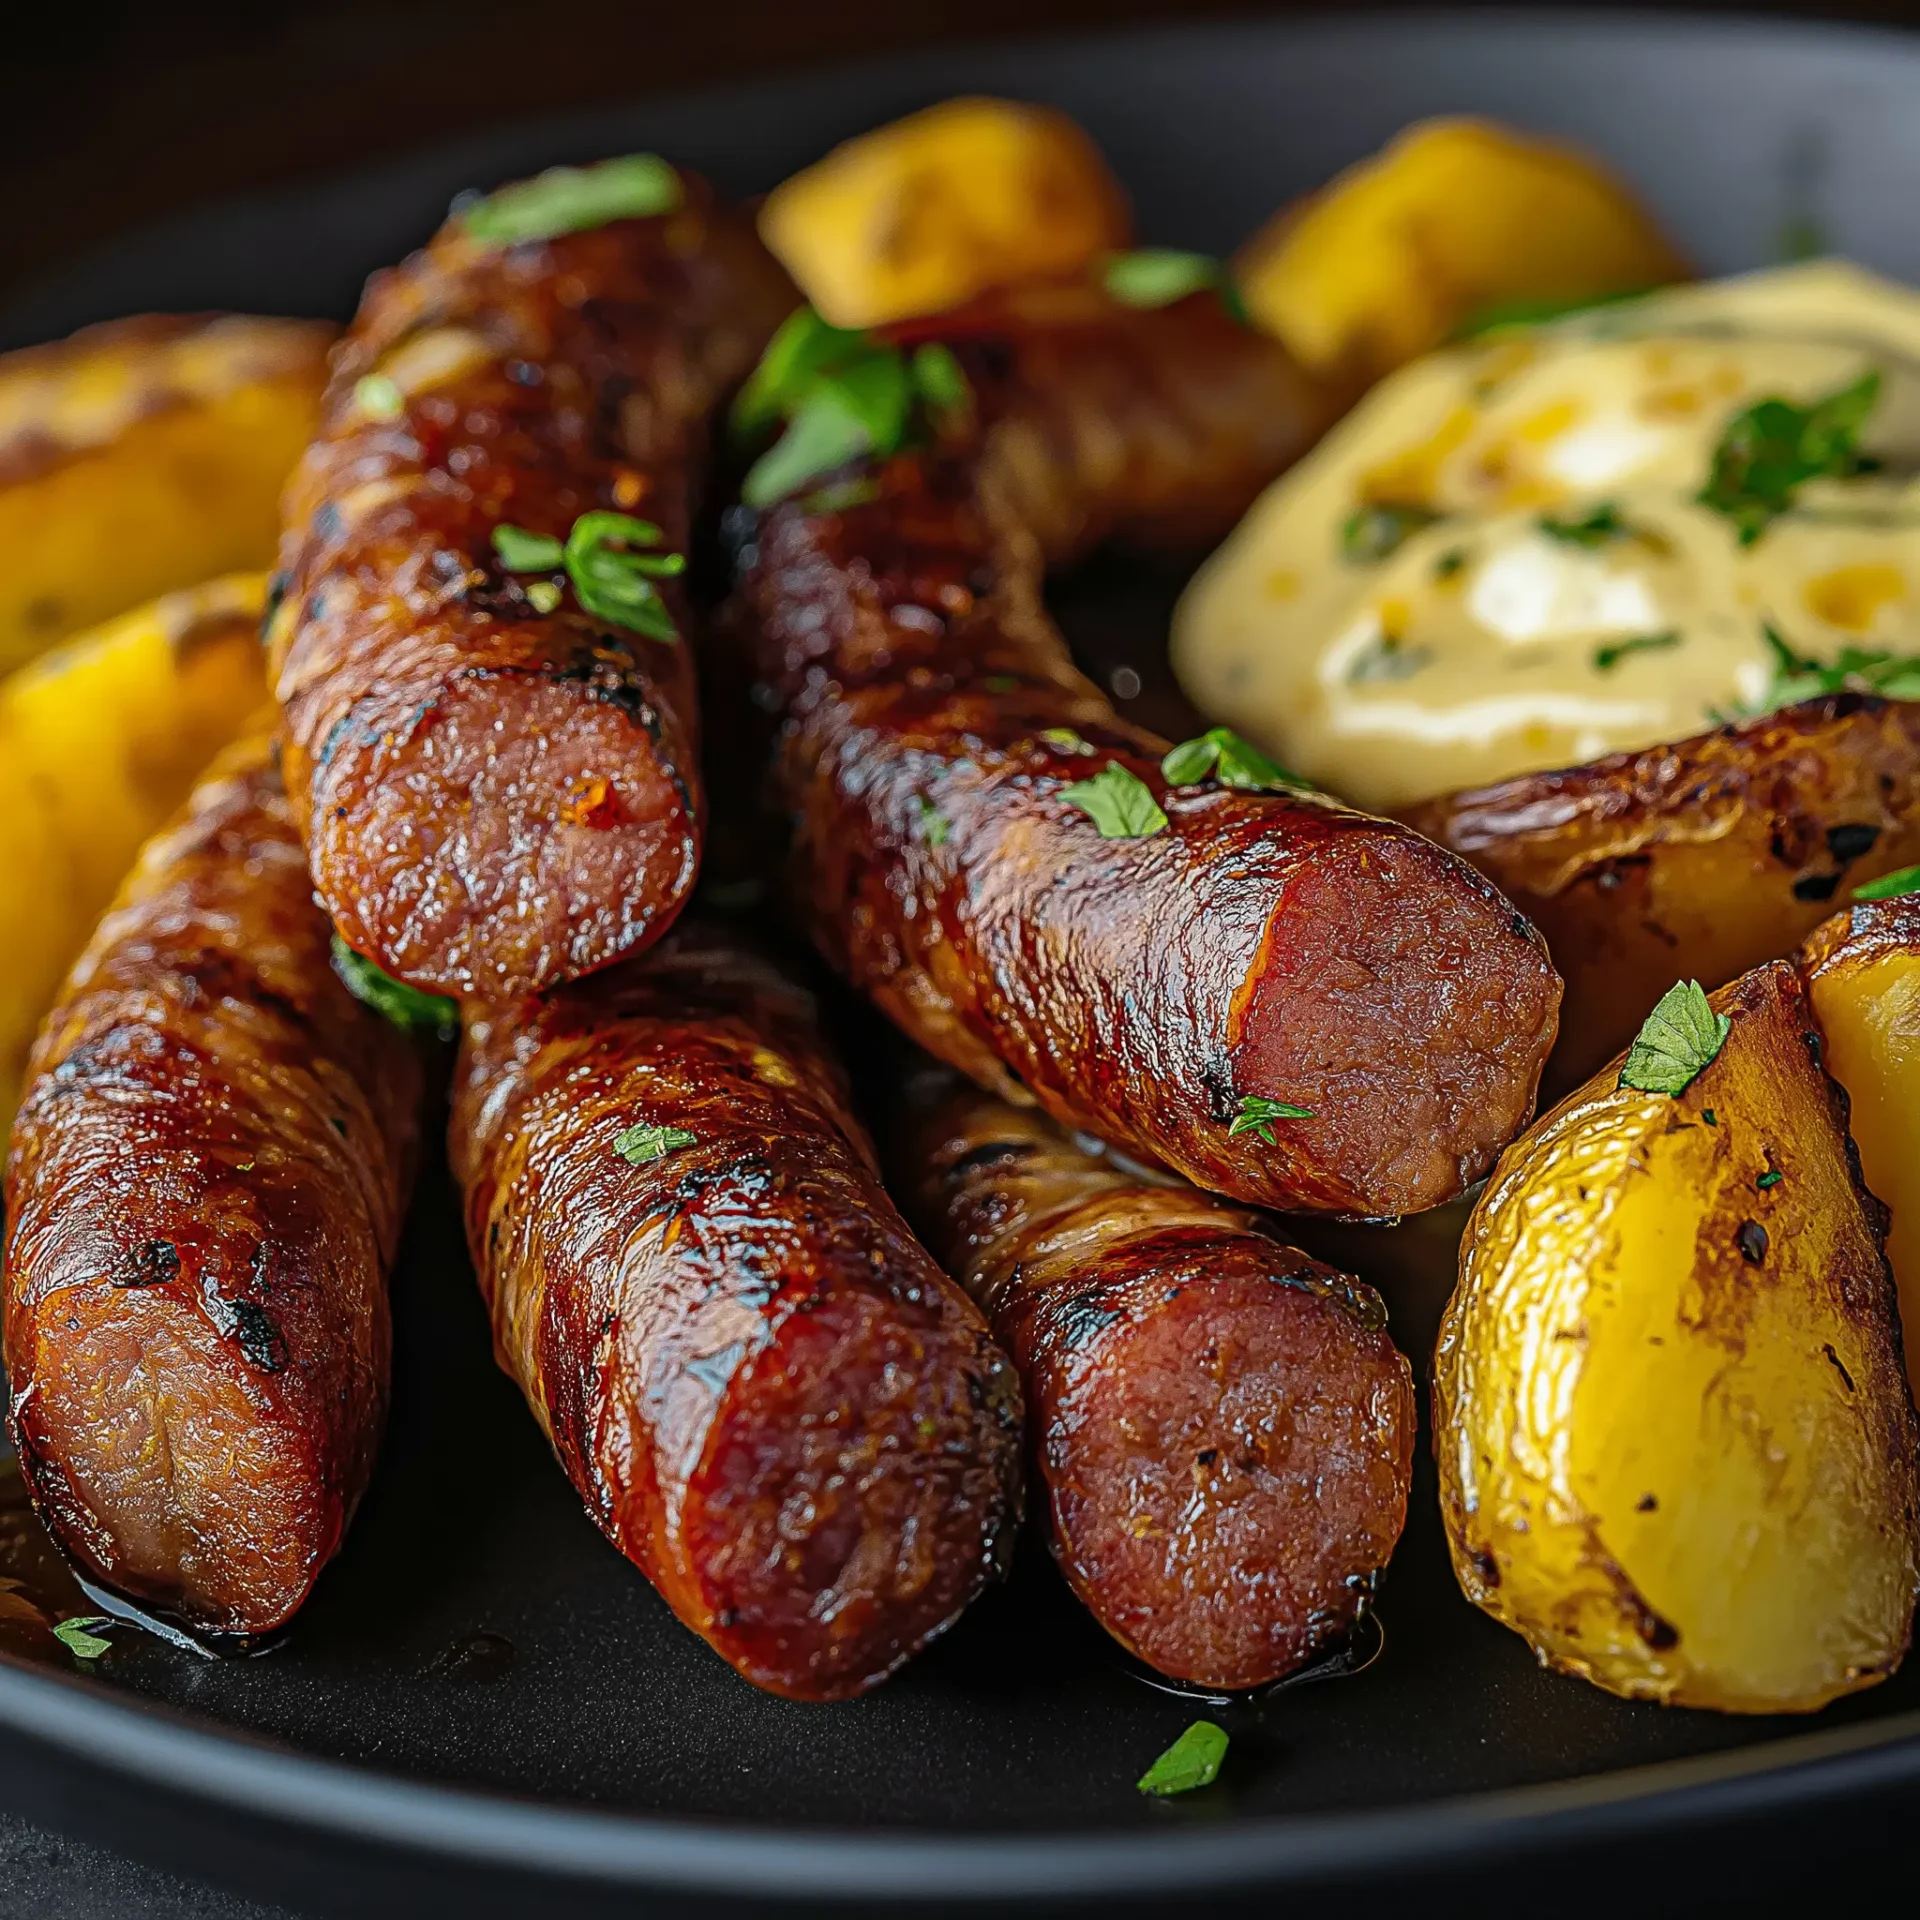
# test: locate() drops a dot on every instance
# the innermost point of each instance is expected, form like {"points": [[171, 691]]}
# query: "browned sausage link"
{"points": [[496, 799], [1264, 946], [1223, 1428], [770, 1398], [204, 1194]]}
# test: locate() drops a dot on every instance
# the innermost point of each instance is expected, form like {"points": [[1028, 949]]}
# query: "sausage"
{"points": [[769, 1397], [1223, 1429], [205, 1193], [1166, 991], [497, 798]]}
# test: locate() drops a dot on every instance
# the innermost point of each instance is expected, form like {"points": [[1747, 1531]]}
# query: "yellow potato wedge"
{"points": [[1451, 219], [1863, 970], [144, 456], [99, 743], [1700, 859], [925, 213], [1676, 1447]]}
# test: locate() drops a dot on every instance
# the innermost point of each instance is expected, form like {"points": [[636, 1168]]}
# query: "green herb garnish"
{"points": [[405, 1007], [76, 1636], [1678, 1042], [379, 398], [933, 824], [1771, 1178], [1158, 276], [641, 1146], [543, 596], [1796, 676], [1192, 1761], [522, 552], [1257, 1114], [1232, 761], [1608, 657], [1064, 740], [570, 199], [1373, 532], [1890, 886], [1771, 449], [1385, 658], [1533, 313], [1118, 802], [608, 558], [1600, 526], [1449, 563]]}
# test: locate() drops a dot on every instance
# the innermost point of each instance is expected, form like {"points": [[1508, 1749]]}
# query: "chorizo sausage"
{"points": [[204, 1196], [769, 1397], [1287, 1001], [498, 780], [1222, 1427]]}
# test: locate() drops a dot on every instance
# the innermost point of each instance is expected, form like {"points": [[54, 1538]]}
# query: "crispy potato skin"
{"points": [[1223, 1428], [922, 215], [1676, 1446], [1264, 944], [495, 799], [99, 742], [1697, 860], [1450, 219], [144, 456], [1862, 969], [204, 1196], [769, 1397]]}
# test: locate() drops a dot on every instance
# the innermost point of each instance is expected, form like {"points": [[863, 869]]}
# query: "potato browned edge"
{"points": [[1676, 1446], [144, 456], [1692, 861]]}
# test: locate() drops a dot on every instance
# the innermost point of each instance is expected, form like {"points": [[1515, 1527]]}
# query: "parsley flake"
{"points": [[76, 1636], [570, 199], [1512, 314], [641, 1146], [1771, 1178], [1192, 1761], [1771, 449], [379, 398], [1608, 657], [405, 1007], [1257, 1114], [932, 823], [1890, 886], [1230, 760], [608, 558], [1373, 532], [1118, 802], [1797, 677], [522, 552], [1158, 276], [1598, 527], [1679, 1041]]}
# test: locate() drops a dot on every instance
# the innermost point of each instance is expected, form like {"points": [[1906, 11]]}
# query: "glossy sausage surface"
{"points": [[1222, 1427], [497, 798], [204, 1197], [769, 1397], [1263, 946]]}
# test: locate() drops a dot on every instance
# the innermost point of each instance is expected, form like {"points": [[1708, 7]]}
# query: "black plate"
{"points": [[480, 1677]]}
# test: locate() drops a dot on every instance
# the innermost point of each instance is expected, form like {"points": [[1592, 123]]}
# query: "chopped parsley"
{"points": [[933, 824], [1192, 1761], [1450, 563], [1532, 313], [1373, 532], [641, 1146], [405, 1007], [379, 398], [1771, 449], [840, 395], [1771, 1178], [1679, 1041], [1608, 657], [1890, 886], [609, 559], [570, 199], [1257, 1114], [1158, 276], [1118, 802], [1598, 527], [76, 1635], [1386, 658], [522, 552], [1230, 760], [1796, 676]]}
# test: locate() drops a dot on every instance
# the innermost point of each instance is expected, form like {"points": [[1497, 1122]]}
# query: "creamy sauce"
{"points": [[1532, 580]]}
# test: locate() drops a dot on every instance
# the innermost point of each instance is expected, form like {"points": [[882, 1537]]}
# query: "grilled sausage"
{"points": [[497, 798], [205, 1194], [1223, 1428], [1261, 947], [769, 1397]]}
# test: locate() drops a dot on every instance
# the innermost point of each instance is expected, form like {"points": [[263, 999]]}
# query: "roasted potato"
{"points": [[1676, 1447], [1700, 859], [923, 214], [99, 743], [1451, 219], [144, 456], [1862, 969]]}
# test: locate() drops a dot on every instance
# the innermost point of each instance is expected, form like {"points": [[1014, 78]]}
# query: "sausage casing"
{"points": [[1223, 1429], [204, 1197], [495, 797], [769, 1397]]}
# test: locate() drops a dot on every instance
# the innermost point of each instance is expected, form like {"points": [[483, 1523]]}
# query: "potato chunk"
{"points": [[1863, 971], [99, 743], [923, 214], [1452, 218], [1677, 1452]]}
